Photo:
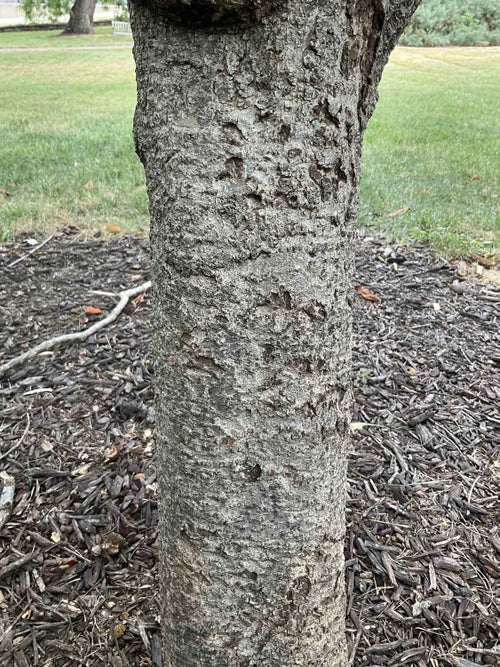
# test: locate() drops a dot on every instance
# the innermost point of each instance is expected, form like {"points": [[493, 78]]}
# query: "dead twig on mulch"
{"points": [[19, 442], [31, 252], [77, 336], [15, 565]]}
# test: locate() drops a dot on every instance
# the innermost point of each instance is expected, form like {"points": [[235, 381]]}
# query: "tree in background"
{"points": [[249, 123], [81, 13], [81, 18]]}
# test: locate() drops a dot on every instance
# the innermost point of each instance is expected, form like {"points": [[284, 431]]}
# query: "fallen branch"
{"points": [[76, 336], [31, 252]]}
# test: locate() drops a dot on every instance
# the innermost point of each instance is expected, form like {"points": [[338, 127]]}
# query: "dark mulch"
{"points": [[78, 549]]}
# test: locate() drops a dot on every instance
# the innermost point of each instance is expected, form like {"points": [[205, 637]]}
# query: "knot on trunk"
{"points": [[207, 13]]}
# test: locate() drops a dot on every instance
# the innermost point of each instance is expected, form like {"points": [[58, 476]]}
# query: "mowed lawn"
{"points": [[432, 146], [66, 153], [67, 158], [103, 36]]}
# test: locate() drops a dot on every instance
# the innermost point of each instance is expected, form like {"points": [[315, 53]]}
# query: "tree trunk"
{"points": [[249, 123], [81, 19]]}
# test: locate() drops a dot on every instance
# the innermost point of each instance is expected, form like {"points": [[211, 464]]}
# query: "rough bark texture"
{"points": [[196, 13], [81, 18], [250, 135]]}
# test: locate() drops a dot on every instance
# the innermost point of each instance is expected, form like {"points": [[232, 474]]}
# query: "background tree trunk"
{"points": [[81, 20], [249, 125]]}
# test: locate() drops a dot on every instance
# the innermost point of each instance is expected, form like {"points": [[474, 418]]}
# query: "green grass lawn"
{"points": [[66, 154], [103, 36], [432, 147]]}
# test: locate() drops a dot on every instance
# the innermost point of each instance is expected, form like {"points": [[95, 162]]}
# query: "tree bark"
{"points": [[81, 19], [249, 123]]}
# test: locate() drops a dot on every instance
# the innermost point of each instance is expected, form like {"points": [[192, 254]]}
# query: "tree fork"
{"points": [[249, 123]]}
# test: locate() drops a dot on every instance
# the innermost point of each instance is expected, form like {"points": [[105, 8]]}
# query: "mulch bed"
{"points": [[78, 548]]}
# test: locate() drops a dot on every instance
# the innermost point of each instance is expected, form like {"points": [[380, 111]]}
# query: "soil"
{"points": [[78, 544]]}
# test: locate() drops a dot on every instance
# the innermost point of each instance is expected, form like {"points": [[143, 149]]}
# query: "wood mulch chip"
{"points": [[78, 493]]}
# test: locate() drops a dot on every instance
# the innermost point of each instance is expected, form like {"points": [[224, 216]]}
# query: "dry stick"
{"points": [[77, 335], [15, 565], [352, 657], [483, 651], [21, 259], [461, 662], [19, 442]]}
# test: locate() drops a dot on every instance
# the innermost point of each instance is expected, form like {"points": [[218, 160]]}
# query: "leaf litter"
{"points": [[78, 546]]}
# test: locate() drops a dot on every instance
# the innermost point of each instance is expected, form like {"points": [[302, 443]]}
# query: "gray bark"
{"points": [[81, 19], [249, 123]]}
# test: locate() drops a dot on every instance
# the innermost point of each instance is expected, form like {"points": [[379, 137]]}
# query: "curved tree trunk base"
{"points": [[81, 21]]}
